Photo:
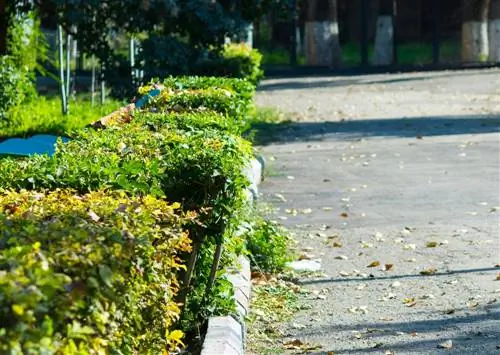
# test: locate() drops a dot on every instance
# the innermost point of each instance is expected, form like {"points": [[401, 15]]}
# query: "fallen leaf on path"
{"points": [[498, 277], [429, 271], [306, 256], [374, 264], [472, 305], [410, 247], [366, 245], [280, 197], [337, 245], [344, 215], [431, 244], [341, 257], [448, 344], [387, 267], [344, 273], [408, 300]]}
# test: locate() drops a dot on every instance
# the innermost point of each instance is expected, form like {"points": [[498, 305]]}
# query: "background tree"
{"points": [[494, 32], [384, 36], [475, 30], [322, 34], [3, 27]]}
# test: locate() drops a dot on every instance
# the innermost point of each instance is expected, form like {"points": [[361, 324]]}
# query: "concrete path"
{"points": [[402, 173]]}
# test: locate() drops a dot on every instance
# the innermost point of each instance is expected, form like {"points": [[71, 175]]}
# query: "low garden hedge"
{"points": [[86, 274], [194, 157]]}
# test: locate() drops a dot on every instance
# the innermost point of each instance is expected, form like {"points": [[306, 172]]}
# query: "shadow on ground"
{"points": [[420, 127], [469, 342], [333, 82]]}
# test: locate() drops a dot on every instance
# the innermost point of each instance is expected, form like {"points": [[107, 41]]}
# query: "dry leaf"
{"points": [[344, 215], [293, 344], [410, 247], [387, 267], [431, 244], [408, 300], [306, 256], [448, 344], [341, 257], [429, 271], [337, 245], [374, 264]]}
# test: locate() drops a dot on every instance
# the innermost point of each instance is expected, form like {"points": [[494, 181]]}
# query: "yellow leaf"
{"points": [[18, 309], [429, 271], [431, 244], [374, 264], [176, 336]]}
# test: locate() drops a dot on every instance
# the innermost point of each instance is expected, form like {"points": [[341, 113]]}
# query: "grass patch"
{"points": [[274, 301], [261, 127], [44, 115], [413, 53]]}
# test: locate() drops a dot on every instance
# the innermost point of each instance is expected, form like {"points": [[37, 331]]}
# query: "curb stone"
{"points": [[226, 335]]}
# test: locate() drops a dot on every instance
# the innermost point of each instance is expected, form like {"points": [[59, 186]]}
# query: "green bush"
{"points": [[193, 154], [89, 274], [269, 245], [199, 168], [230, 97], [235, 61], [16, 87]]}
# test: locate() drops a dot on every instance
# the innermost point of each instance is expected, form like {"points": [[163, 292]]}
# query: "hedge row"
{"points": [[85, 273], [193, 156]]}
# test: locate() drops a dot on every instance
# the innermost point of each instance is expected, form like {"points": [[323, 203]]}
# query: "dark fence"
{"points": [[427, 34]]}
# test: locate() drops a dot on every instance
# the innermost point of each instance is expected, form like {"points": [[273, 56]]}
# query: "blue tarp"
{"points": [[39, 144]]}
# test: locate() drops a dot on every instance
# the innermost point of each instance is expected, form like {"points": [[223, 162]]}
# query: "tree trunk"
{"points": [[3, 27], [384, 36], [475, 30], [494, 32], [322, 34]]}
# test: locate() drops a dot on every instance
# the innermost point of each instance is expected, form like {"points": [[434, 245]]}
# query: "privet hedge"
{"points": [[193, 155], [83, 274]]}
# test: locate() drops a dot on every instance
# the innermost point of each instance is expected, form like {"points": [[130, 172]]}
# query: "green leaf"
{"points": [[106, 274]]}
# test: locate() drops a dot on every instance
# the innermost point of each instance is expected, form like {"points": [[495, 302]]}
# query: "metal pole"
{"points": [[293, 50], [395, 35], [364, 34], [92, 83], [68, 64], [132, 60], [61, 70], [437, 31], [103, 85]]}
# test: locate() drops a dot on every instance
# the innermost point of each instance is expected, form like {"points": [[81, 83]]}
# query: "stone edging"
{"points": [[226, 335]]}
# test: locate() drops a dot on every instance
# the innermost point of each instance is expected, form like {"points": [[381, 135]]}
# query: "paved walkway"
{"points": [[401, 170]]}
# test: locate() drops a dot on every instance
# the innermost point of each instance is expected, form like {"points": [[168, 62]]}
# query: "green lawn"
{"points": [[44, 116], [416, 53]]}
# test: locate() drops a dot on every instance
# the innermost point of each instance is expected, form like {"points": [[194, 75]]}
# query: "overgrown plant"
{"points": [[269, 245]]}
